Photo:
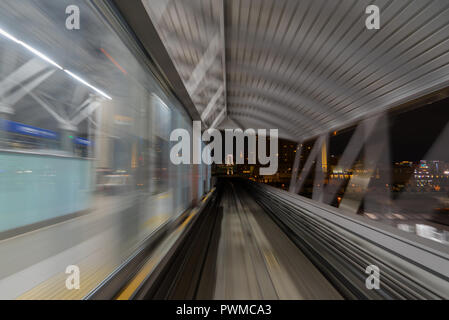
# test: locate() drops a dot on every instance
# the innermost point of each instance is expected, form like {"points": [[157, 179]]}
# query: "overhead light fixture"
{"points": [[40, 55], [7, 35], [87, 84], [30, 48], [50, 61]]}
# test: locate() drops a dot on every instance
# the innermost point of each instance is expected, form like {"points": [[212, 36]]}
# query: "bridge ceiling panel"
{"points": [[193, 36], [314, 58]]}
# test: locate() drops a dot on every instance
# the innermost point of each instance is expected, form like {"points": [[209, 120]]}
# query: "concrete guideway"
{"points": [[230, 250], [256, 260]]}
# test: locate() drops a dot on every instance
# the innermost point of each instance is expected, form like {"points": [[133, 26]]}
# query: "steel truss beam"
{"points": [[372, 134]]}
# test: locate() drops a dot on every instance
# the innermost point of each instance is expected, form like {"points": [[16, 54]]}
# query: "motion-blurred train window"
{"points": [[80, 136], [161, 129]]}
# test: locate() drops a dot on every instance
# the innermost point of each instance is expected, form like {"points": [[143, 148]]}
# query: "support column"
{"points": [[316, 150], [321, 170], [296, 164], [375, 154], [68, 138], [5, 114], [347, 160]]}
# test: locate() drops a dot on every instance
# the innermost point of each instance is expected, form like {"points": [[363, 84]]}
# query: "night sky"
{"points": [[412, 132]]}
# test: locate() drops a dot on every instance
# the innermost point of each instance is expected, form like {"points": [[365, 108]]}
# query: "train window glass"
{"points": [[161, 148], [89, 141]]}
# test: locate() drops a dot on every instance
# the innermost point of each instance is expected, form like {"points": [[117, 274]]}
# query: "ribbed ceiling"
{"points": [[305, 66]]}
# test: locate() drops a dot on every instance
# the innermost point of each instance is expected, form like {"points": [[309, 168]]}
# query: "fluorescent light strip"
{"points": [[50, 61], [7, 35], [87, 84], [30, 48], [40, 55]]}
